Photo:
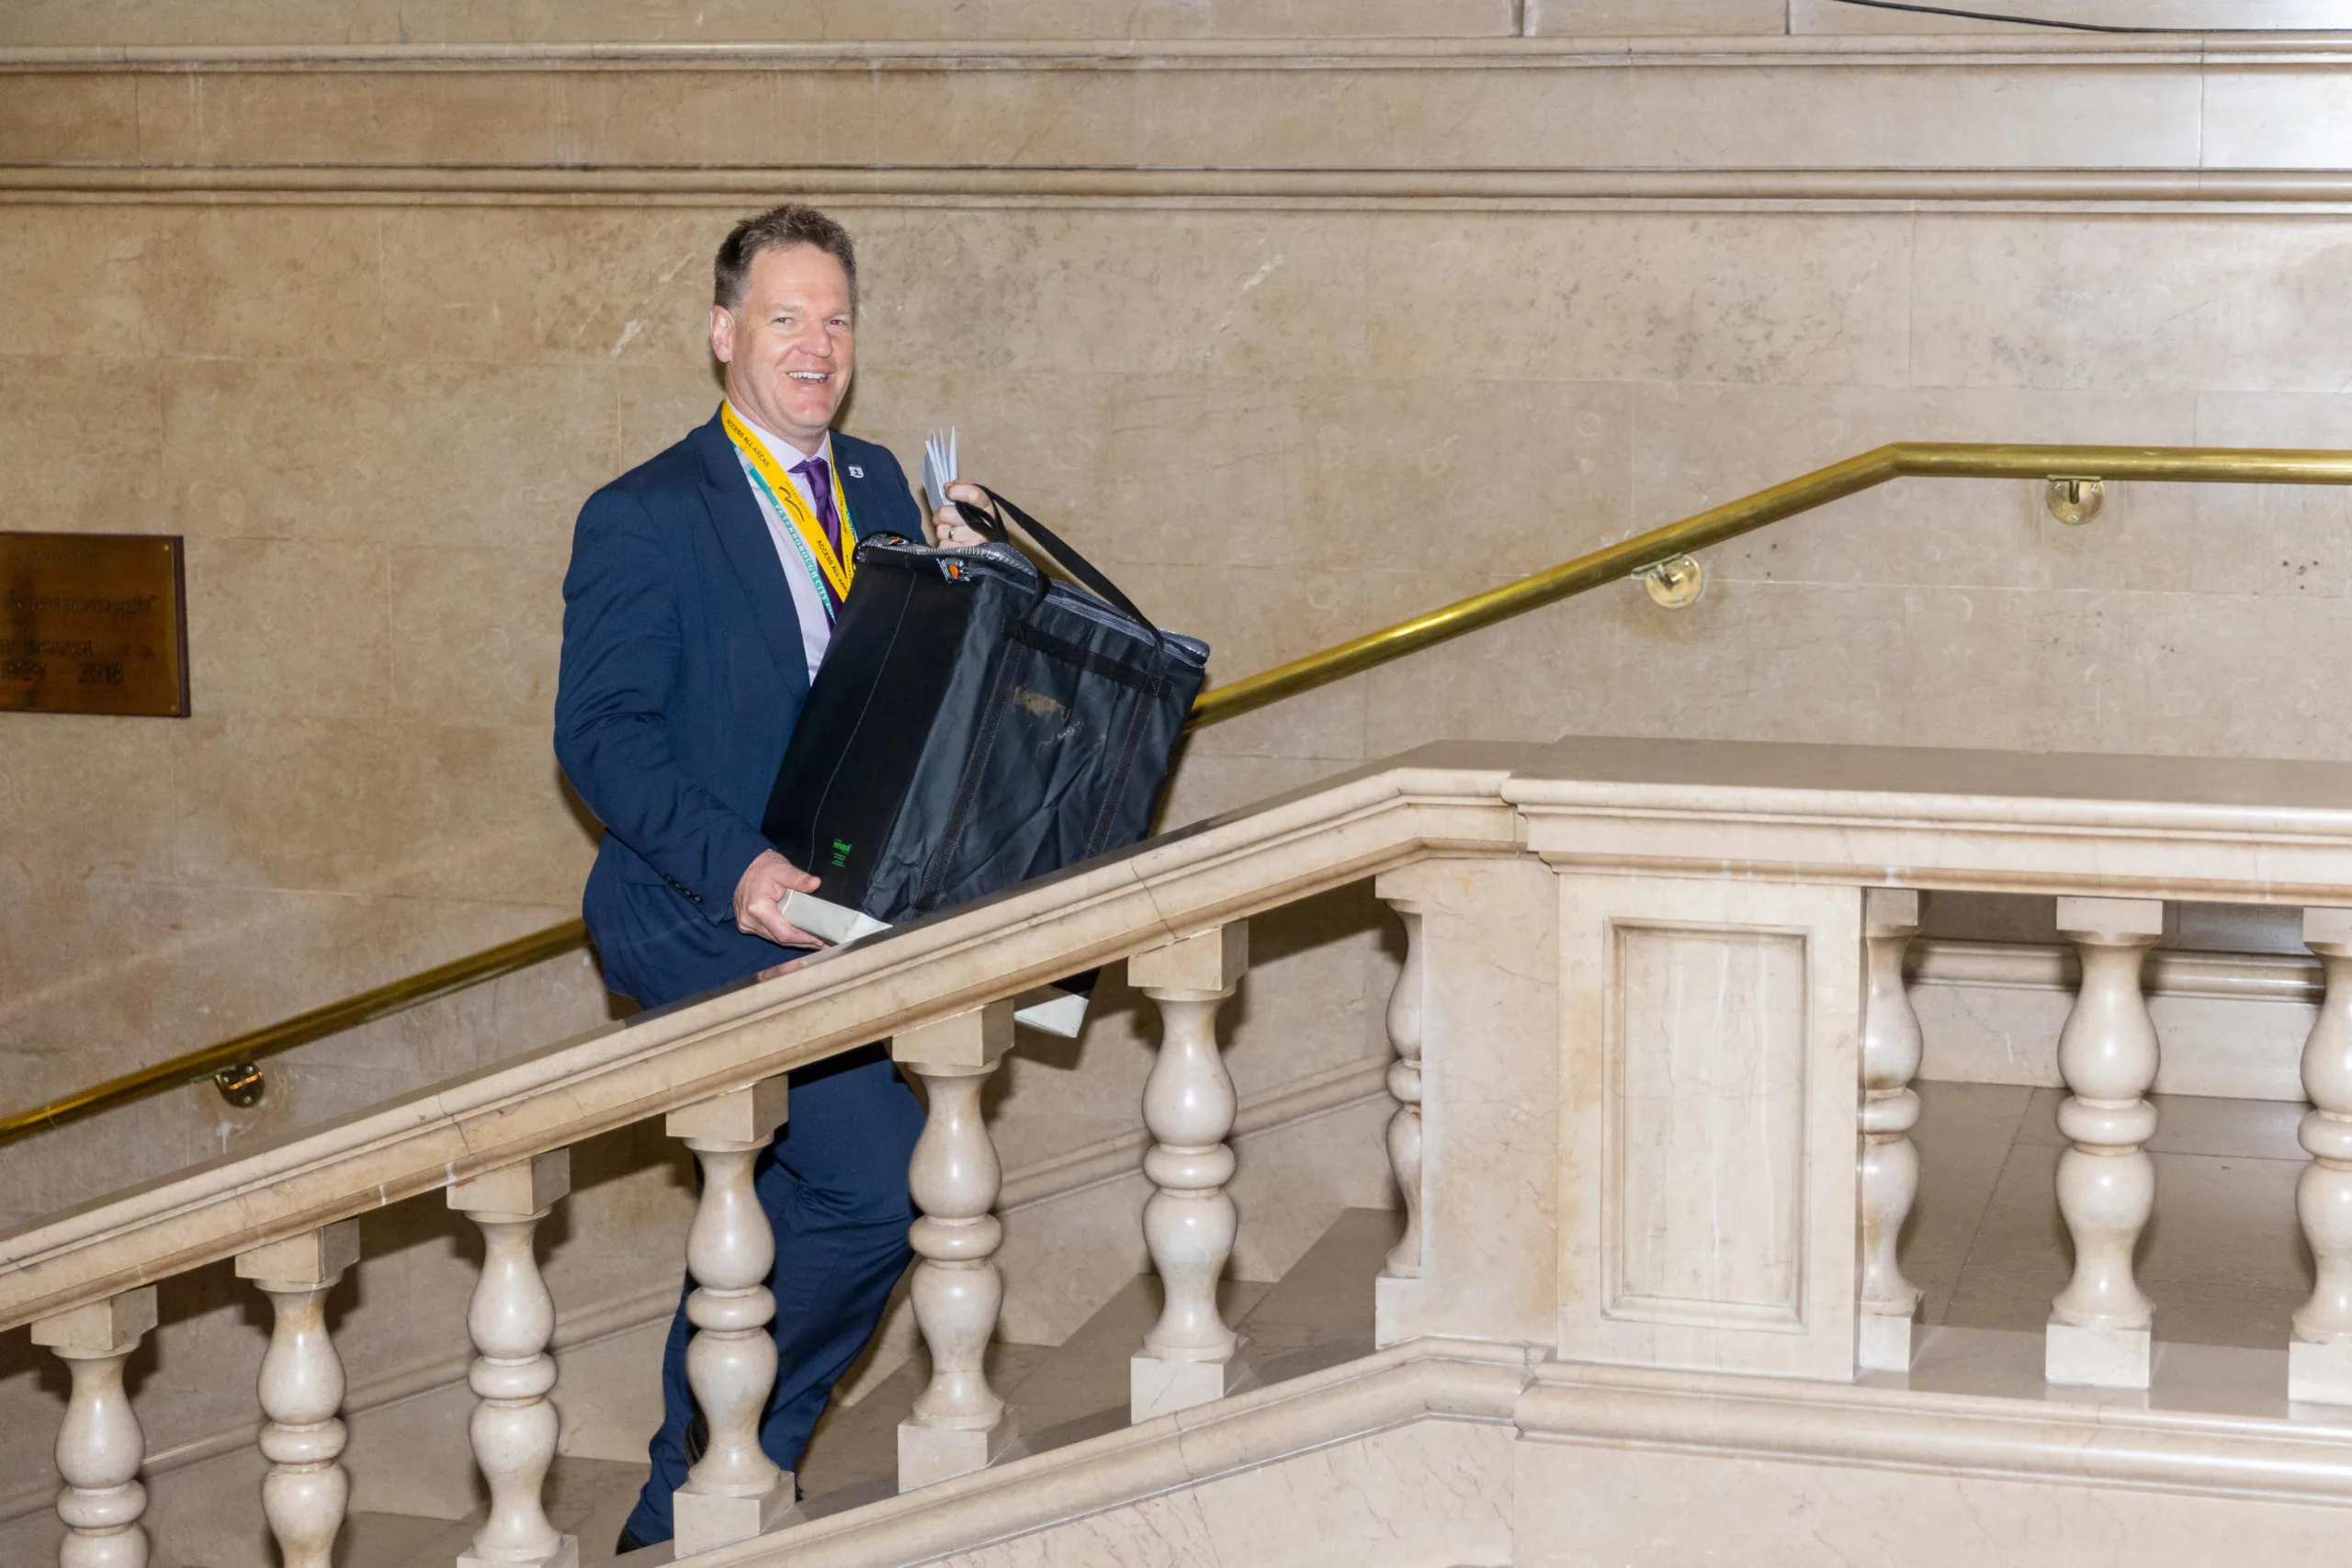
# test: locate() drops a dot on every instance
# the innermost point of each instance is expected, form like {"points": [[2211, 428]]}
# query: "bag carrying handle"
{"points": [[1068, 559]]}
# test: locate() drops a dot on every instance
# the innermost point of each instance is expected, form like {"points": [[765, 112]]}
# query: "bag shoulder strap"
{"points": [[1068, 559]]}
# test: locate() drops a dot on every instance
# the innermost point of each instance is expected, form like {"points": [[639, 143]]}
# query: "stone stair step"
{"points": [[1317, 1314], [585, 1497], [372, 1540]]}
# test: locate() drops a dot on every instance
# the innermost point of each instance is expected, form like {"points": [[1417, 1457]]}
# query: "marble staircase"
{"points": [[1680, 1215], [1317, 1314]]}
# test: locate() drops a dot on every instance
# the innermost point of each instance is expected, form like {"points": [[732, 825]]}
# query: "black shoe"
{"points": [[697, 1441]]}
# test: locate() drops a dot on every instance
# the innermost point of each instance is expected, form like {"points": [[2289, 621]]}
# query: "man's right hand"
{"points": [[759, 892]]}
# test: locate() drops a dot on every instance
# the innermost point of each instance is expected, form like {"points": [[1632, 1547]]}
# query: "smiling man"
{"points": [[699, 603]]}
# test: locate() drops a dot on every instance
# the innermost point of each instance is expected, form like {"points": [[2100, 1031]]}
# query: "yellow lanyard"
{"points": [[833, 569]]}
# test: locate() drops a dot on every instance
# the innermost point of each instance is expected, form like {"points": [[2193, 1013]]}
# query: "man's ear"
{"points": [[722, 334]]}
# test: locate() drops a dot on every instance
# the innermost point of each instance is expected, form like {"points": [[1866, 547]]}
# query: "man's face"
{"points": [[788, 347]]}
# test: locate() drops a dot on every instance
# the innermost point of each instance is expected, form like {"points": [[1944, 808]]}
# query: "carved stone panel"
{"points": [[1709, 1032]]}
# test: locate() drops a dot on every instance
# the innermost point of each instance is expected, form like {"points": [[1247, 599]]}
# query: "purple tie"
{"points": [[821, 486]]}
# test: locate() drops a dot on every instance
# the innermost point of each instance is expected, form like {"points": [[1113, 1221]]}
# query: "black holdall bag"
{"points": [[976, 724]]}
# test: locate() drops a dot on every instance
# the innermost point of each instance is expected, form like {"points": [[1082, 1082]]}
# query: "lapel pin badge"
{"points": [[855, 472]]}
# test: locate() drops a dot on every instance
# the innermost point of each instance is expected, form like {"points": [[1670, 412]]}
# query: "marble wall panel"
{"points": [[756, 118], [474, 633], [162, 22], [1167, 1532], [297, 627], [1579, 1507], [67, 120], [1430, 1492], [1435, 474], [1783, 299], [2284, 539], [418, 452], [89, 796], [494, 118], [78, 438], [1618, 18], [1157, 291], [1448, 110], [435, 810], [75, 279], [324, 298], [2239, 304], [994, 118], [2274, 119], [515, 286]]}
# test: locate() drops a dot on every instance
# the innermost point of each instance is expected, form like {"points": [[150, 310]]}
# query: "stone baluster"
{"points": [[511, 1319], [1190, 1357], [306, 1493], [2101, 1323], [100, 1447], [2319, 1357], [1405, 1085], [1889, 1164], [734, 1490], [959, 1423]]}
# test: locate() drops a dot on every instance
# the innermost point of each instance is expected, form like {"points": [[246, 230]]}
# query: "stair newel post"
{"points": [[2100, 1325], [734, 1491], [960, 1424], [2319, 1356], [1191, 1356], [1890, 1108], [306, 1493], [511, 1319], [1405, 1087], [100, 1447]]}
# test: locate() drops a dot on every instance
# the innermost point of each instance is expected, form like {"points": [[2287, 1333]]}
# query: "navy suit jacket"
{"points": [[682, 675]]}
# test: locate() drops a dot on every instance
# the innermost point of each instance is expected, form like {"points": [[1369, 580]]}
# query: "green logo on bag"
{"points": [[840, 853]]}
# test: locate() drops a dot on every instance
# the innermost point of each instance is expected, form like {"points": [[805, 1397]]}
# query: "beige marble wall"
{"points": [[265, 307], [166, 23]]}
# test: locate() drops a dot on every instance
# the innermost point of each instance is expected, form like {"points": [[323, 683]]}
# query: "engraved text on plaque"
{"points": [[93, 623]]}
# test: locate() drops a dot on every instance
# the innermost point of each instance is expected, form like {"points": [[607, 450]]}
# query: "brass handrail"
{"points": [[1938, 459], [397, 996], [1951, 460]]}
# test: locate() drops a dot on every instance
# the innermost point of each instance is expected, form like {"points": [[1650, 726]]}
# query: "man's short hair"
{"points": [[791, 224]]}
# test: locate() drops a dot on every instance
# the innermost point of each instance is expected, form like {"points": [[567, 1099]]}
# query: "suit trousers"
{"points": [[834, 1188]]}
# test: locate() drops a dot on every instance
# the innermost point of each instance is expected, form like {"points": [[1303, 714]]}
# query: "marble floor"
{"points": [[2223, 1259]]}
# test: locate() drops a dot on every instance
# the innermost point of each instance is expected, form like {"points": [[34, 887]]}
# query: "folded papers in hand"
{"points": [[1048, 1009]]}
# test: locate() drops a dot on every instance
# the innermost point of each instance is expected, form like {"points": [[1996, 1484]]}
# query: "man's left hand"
{"points": [[949, 529]]}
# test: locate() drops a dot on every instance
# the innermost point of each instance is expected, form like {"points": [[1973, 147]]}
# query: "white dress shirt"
{"points": [[808, 598]]}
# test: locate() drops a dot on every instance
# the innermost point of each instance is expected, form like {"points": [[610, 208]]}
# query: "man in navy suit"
{"points": [[699, 602]]}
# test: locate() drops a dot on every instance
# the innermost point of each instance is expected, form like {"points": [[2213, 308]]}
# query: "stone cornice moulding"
{"points": [[2246, 191], [1915, 50]]}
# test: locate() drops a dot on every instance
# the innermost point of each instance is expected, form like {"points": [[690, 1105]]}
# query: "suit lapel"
{"points": [[751, 549], [868, 512]]}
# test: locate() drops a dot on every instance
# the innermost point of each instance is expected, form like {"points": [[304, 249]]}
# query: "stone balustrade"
{"points": [[1654, 1057]]}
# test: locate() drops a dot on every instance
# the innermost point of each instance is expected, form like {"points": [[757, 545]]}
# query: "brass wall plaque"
{"points": [[93, 623]]}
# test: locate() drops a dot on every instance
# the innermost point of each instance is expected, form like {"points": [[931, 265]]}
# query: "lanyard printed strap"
{"points": [[831, 569]]}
